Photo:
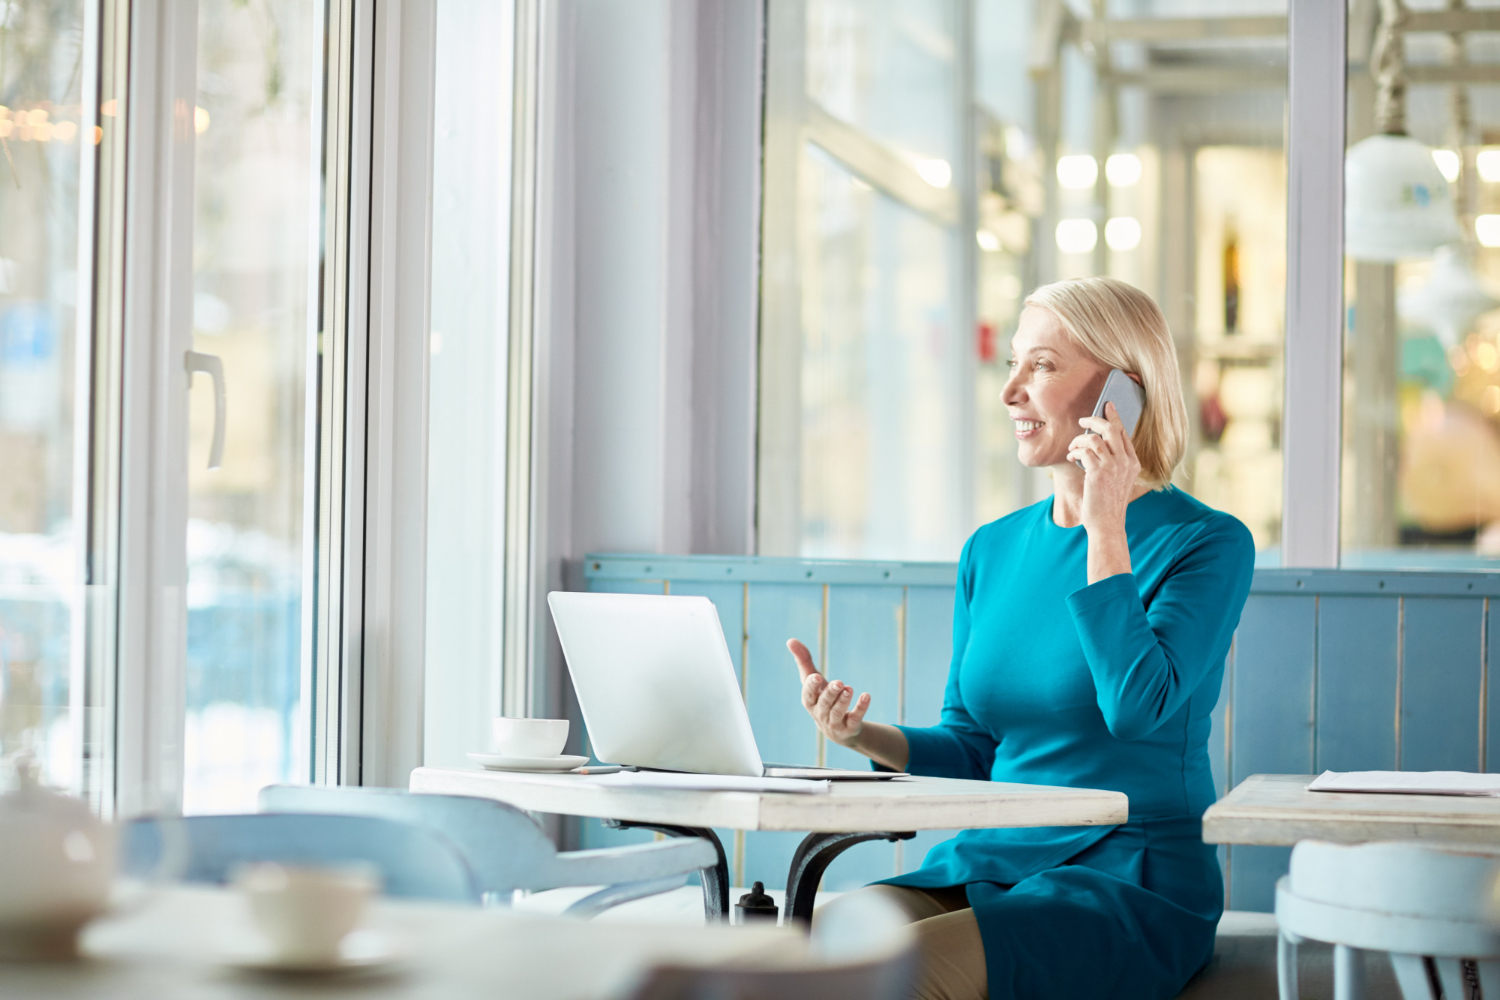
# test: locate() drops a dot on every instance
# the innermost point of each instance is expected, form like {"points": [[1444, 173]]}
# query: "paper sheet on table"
{"points": [[713, 782], [1408, 782]]}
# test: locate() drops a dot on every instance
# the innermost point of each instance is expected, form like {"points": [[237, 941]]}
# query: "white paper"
{"points": [[1408, 782], [712, 782]]}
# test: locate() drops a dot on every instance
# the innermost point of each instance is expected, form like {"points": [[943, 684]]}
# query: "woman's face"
{"points": [[1053, 383]]}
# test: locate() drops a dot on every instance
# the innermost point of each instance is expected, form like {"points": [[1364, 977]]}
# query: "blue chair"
{"points": [[506, 849], [413, 861]]}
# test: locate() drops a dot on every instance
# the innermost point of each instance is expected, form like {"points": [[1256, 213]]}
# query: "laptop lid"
{"points": [[655, 682]]}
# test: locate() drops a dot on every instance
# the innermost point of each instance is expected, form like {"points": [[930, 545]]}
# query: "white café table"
{"points": [[171, 948], [850, 813], [1278, 810]]}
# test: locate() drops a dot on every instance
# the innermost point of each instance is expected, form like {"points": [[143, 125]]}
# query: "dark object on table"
{"points": [[756, 905]]}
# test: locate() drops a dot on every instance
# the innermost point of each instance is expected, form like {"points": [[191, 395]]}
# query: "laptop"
{"points": [[658, 689]]}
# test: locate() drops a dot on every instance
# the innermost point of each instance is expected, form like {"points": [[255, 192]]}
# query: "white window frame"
{"points": [[367, 640], [1312, 421]]}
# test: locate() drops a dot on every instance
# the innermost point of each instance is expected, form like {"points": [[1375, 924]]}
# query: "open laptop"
{"points": [[658, 689]]}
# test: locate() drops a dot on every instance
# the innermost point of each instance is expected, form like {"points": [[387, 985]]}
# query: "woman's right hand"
{"points": [[832, 705]]}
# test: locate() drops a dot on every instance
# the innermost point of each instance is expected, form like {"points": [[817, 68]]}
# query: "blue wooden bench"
{"points": [[1348, 670]]}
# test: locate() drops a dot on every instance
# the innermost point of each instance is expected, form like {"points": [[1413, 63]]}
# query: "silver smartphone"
{"points": [[1129, 400]]}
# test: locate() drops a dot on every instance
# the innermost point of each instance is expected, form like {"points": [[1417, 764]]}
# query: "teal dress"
{"points": [[1110, 685]]}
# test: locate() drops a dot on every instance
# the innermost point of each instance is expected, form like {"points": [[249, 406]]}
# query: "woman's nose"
{"points": [[1012, 391]]}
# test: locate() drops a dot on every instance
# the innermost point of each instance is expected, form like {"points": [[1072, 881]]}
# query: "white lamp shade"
{"points": [[1398, 204], [1451, 300]]}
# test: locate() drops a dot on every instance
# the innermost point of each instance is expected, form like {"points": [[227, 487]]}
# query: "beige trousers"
{"points": [[949, 948]]}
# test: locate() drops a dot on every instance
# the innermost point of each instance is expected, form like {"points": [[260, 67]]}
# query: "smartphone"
{"points": [[1129, 400]]}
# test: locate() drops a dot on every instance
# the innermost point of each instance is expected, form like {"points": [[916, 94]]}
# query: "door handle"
{"points": [[213, 366]]}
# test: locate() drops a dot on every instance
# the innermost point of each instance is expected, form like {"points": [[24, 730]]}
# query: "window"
{"points": [[1421, 434], [930, 163]]}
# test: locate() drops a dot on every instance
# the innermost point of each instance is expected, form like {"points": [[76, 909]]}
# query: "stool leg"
{"points": [[1489, 980], [1451, 975], [1348, 973], [1411, 976], [1286, 966]]}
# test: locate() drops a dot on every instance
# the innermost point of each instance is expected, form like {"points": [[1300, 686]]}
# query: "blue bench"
{"points": [[1346, 670]]}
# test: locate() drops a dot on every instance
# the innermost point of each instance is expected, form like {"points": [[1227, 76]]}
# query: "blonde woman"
{"points": [[1089, 636]]}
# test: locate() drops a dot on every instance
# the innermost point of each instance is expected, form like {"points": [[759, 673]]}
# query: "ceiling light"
{"points": [[1488, 162], [1448, 163], [1122, 170], [1399, 204], [935, 172], [1487, 229], [1077, 235], [1122, 233], [1078, 172], [1452, 298]]}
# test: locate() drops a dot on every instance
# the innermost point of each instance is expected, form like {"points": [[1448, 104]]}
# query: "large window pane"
{"points": [[466, 422], [949, 157], [1421, 443], [880, 447], [255, 285], [43, 344]]}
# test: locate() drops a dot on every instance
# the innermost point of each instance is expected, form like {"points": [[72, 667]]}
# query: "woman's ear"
{"points": [[1136, 379]]}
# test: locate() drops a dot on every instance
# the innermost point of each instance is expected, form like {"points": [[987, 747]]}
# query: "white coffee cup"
{"points": [[304, 912], [528, 737]]}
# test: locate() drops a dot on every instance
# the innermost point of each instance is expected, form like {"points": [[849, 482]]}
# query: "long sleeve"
{"points": [[958, 746], [1148, 658]]}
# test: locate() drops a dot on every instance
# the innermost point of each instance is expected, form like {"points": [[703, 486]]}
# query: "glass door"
{"points": [[257, 225]]}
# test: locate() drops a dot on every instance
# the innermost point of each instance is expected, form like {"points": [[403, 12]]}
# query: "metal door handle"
{"points": [[213, 366]]}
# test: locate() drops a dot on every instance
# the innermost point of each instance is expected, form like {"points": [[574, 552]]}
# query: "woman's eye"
{"points": [[1011, 364]]}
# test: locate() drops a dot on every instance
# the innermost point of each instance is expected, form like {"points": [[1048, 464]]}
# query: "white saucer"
{"points": [[361, 952], [500, 762]]}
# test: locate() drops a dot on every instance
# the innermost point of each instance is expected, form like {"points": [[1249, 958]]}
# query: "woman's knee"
{"points": [[915, 904], [950, 958]]}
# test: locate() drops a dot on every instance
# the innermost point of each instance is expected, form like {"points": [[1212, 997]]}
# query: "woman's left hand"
{"points": [[1110, 469]]}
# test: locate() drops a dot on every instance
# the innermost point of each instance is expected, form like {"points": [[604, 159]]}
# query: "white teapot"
{"points": [[57, 861]]}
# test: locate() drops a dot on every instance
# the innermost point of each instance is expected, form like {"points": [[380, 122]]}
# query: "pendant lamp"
{"points": [[1452, 298], [1397, 203]]}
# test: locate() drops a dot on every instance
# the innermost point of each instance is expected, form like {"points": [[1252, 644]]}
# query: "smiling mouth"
{"points": [[1026, 428]]}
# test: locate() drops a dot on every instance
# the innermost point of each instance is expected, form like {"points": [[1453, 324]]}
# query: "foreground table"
{"points": [[1277, 810], [170, 948], [852, 812]]}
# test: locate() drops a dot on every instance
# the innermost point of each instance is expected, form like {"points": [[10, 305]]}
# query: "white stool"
{"points": [[1430, 907]]}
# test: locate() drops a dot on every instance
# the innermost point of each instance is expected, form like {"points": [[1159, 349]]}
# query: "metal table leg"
{"points": [[715, 879], [813, 856]]}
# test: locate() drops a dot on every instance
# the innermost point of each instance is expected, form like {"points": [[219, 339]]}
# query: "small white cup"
{"points": [[528, 737], [306, 912]]}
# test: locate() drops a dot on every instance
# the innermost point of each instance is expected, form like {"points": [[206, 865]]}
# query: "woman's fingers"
{"points": [[803, 657], [857, 713], [828, 698], [812, 688], [1107, 434]]}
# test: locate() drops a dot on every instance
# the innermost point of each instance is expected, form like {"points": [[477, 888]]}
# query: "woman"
{"points": [[1089, 636]]}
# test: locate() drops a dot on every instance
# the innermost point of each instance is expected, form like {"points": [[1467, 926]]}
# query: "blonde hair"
{"points": [[1123, 328]]}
